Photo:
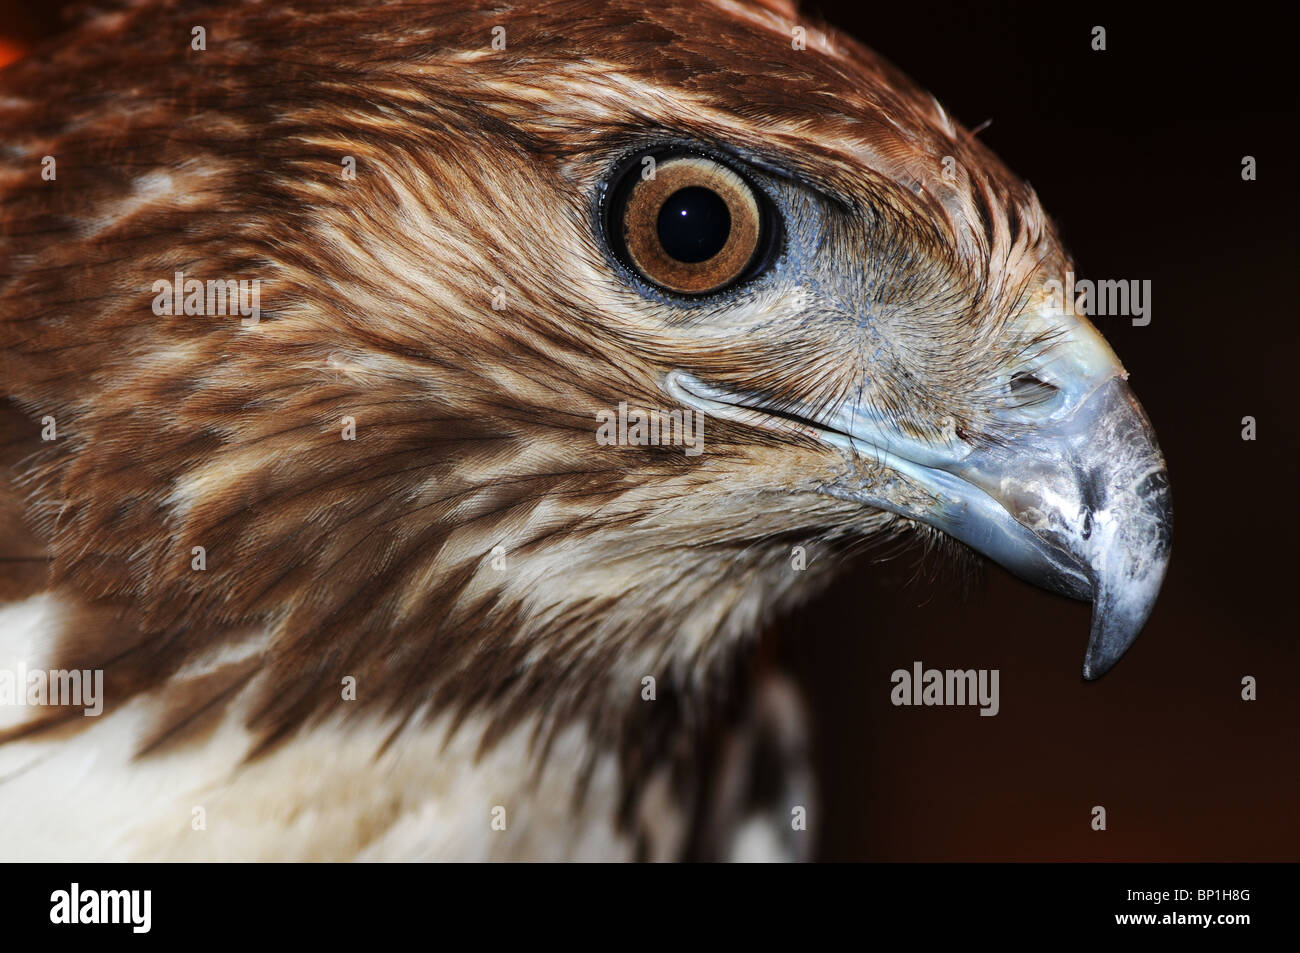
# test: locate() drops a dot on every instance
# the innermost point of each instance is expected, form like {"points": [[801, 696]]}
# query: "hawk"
{"points": [[412, 408]]}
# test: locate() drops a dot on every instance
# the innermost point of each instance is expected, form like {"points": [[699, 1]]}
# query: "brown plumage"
{"points": [[473, 555]]}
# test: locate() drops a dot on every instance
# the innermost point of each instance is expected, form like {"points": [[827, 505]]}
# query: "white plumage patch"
{"points": [[338, 792]]}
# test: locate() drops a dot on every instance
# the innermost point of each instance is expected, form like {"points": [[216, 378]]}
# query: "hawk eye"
{"points": [[689, 224]]}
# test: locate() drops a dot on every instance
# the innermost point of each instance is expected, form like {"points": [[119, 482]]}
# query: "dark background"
{"points": [[1136, 152]]}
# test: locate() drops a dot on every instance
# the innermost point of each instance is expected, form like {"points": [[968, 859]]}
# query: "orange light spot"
{"points": [[8, 53]]}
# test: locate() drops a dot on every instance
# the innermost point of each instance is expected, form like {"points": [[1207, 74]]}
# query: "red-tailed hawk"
{"points": [[413, 408]]}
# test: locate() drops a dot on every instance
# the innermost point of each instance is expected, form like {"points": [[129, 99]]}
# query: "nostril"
{"points": [[1026, 390], [1022, 384]]}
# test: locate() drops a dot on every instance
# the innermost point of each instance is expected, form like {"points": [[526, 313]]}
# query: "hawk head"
{"points": [[478, 234]]}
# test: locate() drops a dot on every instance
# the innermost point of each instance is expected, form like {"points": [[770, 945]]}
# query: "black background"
{"points": [[1136, 153]]}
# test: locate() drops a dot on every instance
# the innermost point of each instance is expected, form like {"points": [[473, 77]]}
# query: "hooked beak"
{"points": [[1078, 502], [1083, 510]]}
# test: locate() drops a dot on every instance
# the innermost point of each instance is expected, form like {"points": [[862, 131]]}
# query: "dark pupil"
{"points": [[694, 224]]}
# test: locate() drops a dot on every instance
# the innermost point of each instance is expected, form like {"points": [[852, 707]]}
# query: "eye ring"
{"points": [[688, 223]]}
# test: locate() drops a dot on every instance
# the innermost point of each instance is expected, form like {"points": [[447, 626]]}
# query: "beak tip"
{"points": [[1094, 669], [1116, 625]]}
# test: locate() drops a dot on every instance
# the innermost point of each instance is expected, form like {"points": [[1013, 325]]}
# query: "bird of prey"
{"points": [[415, 409]]}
